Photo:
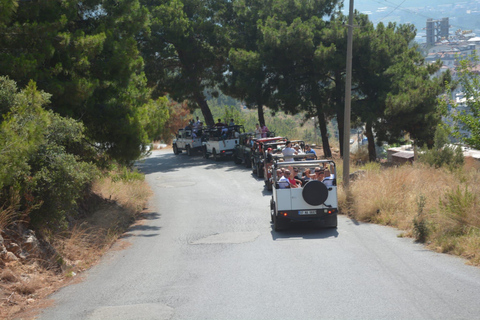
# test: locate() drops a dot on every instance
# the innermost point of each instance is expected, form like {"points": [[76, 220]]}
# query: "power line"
{"points": [[399, 6], [393, 10]]}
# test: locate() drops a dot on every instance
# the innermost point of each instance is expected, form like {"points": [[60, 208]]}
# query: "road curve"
{"points": [[207, 251]]}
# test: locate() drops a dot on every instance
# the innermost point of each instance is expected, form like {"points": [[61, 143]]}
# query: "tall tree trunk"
{"points": [[207, 113], [323, 131], [261, 116], [372, 152]]}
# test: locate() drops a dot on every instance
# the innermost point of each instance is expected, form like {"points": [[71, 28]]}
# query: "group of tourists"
{"points": [[261, 131], [289, 152], [292, 177]]}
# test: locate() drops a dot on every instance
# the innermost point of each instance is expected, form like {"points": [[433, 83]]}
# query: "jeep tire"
{"points": [[205, 153], [315, 193], [259, 170]]}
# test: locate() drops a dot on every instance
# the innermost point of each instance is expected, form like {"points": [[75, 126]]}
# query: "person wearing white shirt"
{"points": [[288, 152], [258, 131]]}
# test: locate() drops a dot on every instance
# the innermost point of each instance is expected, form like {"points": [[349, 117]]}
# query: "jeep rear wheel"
{"points": [[236, 159], [175, 149], [268, 183], [259, 170], [272, 210], [248, 162], [205, 153], [278, 225]]}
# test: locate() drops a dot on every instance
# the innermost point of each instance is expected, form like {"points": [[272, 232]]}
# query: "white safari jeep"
{"points": [[221, 142], [187, 140], [314, 200]]}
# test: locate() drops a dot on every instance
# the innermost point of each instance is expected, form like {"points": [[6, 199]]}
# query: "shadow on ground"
{"points": [[304, 231]]}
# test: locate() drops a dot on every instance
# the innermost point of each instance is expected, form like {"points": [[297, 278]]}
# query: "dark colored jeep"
{"points": [[243, 150], [258, 153]]}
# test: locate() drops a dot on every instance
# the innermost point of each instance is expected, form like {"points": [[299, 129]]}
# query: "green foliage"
{"points": [[442, 154], [86, 55], [126, 174], [467, 126], [21, 130], [61, 171], [43, 156], [421, 228], [60, 181], [455, 206], [396, 91]]}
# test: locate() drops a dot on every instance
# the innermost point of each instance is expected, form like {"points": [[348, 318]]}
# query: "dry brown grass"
{"points": [[24, 285], [435, 205], [131, 195]]}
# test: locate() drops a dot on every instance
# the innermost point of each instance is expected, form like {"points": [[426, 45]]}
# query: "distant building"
{"points": [[437, 30]]}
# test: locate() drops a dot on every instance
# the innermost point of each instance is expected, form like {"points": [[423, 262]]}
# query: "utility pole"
{"points": [[348, 102]]}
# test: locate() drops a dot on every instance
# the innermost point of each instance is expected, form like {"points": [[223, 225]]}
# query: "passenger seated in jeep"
{"points": [[283, 182], [328, 180], [306, 176], [319, 174], [294, 183]]}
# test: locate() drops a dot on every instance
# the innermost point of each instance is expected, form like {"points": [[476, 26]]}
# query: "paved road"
{"points": [[208, 251]]}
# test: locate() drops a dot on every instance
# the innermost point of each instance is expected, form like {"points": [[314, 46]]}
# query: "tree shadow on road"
{"points": [[161, 161]]}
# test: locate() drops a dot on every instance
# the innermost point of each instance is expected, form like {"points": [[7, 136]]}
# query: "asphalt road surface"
{"points": [[207, 251]]}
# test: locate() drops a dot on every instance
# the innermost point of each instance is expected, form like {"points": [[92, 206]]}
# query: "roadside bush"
{"points": [[44, 158], [59, 183], [21, 130], [420, 222], [442, 154], [60, 174]]}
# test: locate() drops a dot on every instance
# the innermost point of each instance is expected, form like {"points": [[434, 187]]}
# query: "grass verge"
{"points": [[116, 202], [436, 206]]}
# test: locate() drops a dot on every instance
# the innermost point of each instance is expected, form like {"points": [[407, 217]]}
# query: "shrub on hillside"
{"points": [[442, 154], [44, 157]]}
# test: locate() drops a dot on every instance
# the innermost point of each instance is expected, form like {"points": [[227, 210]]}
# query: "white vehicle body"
{"points": [[219, 148], [315, 201], [221, 142], [186, 141]]}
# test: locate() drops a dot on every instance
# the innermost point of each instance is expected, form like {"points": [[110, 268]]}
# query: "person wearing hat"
{"points": [[299, 151], [269, 157], [289, 152]]}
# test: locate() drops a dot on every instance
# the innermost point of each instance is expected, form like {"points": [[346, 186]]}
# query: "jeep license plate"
{"points": [[307, 212]]}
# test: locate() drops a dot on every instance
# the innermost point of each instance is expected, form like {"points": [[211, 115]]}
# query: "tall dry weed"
{"points": [[131, 195], [448, 218]]}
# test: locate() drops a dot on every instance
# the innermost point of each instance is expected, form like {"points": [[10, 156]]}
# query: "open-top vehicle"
{"points": [[243, 150], [313, 201], [187, 139], [221, 142], [258, 153], [277, 155]]}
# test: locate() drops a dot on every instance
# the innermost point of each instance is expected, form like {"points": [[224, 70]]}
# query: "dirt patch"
{"points": [[26, 284]]}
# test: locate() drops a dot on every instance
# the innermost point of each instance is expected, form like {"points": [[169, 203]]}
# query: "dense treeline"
{"points": [[86, 82]]}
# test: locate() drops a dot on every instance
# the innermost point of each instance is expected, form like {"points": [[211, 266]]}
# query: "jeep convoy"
{"points": [[311, 198]]}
